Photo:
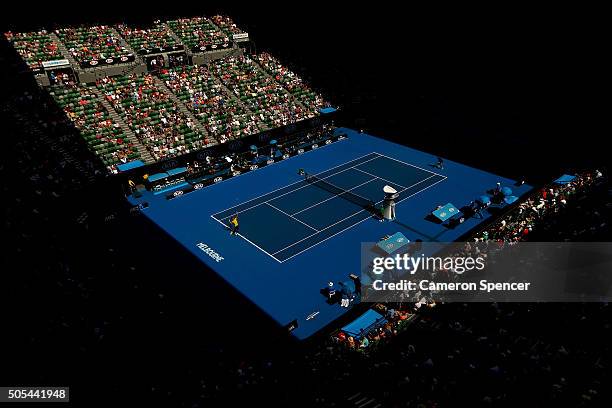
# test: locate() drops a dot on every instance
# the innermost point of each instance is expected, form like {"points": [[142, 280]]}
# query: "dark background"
{"points": [[517, 91]]}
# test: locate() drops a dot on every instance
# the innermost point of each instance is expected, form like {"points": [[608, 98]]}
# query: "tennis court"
{"points": [[298, 235], [289, 221]]}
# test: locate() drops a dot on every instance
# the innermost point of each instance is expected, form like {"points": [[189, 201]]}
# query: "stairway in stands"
{"points": [[54, 145], [228, 92], [64, 50], [266, 73], [130, 67], [176, 37], [124, 43], [162, 86], [359, 400], [145, 155]]}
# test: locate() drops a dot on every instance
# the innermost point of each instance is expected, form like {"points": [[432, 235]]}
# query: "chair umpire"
{"points": [[388, 210]]}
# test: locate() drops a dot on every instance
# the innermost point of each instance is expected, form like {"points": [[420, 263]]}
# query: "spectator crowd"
{"points": [[538, 208], [34, 47], [220, 112], [227, 25], [102, 134], [199, 33], [95, 43], [293, 83], [260, 93], [146, 40], [170, 111], [154, 117], [183, 109]]}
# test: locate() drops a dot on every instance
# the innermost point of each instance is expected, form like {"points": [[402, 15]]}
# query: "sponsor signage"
{"points": [[160, 50], [108, 61], [211, 47], [241, 37], [62, 63]]}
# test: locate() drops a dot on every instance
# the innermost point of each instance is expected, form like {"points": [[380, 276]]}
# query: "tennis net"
{"points": [[341, 192]]}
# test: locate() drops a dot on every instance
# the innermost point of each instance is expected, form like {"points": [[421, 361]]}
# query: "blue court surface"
{"points": [[296, 235], [305, 214]]}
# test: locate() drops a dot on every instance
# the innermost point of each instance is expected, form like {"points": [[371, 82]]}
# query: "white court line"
{"points": [[378, 202], [329, 226], [392, 182], [299, 181], [408, 164], [278, 196], [417, 183], [283, 160], [335, 196], [251, 242], [289, 215], [369, 174], [351, 226], [378, 155]]}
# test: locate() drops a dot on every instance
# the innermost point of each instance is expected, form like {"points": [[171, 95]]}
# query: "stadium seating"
{"points": [[199, 33], [264, 97], [103, 135], [529, 215], [232, 98], [144, 41], [227, 25], [92, 43], [34, 47], [222, 115], [155, 118], [173, 110], [294, 84]]}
